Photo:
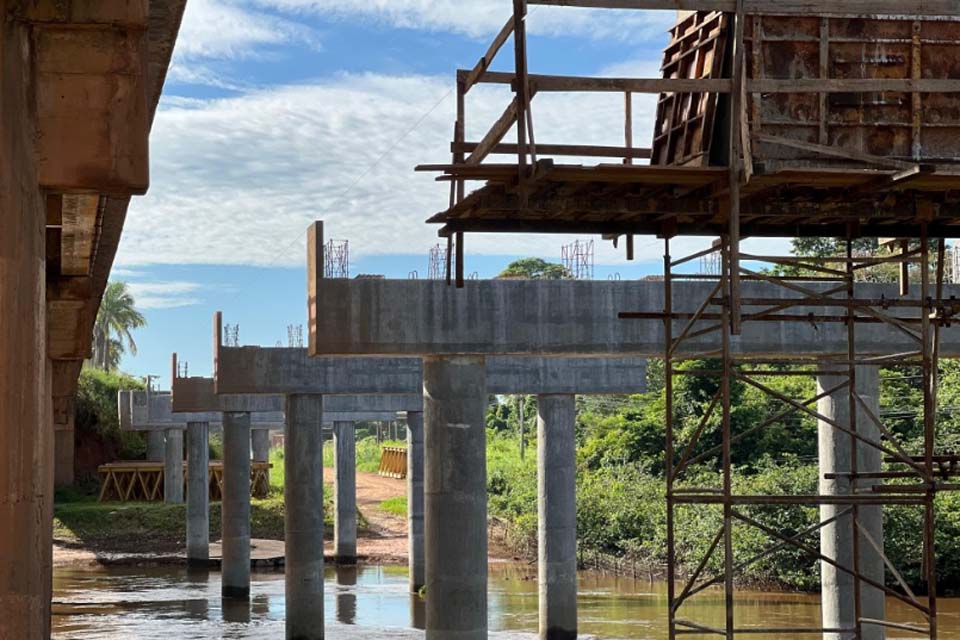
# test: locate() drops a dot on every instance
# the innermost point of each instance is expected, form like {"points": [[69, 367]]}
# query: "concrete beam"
{"points": [[571, 318], [152, 411]]}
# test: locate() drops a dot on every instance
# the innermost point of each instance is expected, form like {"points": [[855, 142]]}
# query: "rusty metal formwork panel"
{"points": [[686, 121], [919, 126]]}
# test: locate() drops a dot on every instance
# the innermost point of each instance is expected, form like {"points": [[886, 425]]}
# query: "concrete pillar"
{"points": [[235, 514], [156, 447], [415, 539], [63, 441], [836, 540], [303, 516], [345, 492], [26, 435], [455, 492], [173, 467], [260, 443], [557, 516], [198, 493]]}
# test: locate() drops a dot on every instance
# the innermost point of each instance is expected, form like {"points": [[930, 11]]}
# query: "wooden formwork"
{"points": [[143, 481], [393, 462]]}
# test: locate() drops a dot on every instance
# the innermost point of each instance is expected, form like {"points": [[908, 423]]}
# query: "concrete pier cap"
{"points": [[378, 317]]}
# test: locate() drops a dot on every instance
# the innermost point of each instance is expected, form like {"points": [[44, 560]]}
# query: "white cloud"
{"points": [[226, 30], [480, 18], [237, 181], [164, 295]]}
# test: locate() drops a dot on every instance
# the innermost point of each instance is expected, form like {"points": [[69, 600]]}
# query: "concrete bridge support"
{"points": [[198, 493], [156, 447], [454, 401], [836, 540], [415, 551], [345, 492], [235, 516], [173, 467], [303, 519], [557, 516], [260, 443]]}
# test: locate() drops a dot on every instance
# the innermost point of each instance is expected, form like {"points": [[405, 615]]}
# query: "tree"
{"points": [[536, 269], [112, 332]]}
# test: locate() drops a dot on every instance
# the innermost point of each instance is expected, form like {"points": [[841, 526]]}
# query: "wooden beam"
{"points": [[778, 7], [560, 150], [832, 151], [495, 134], [633, 85], [868, 85], [484, 63]]}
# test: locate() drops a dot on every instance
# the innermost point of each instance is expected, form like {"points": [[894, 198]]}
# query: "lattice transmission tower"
{"points": [[437, 267]]}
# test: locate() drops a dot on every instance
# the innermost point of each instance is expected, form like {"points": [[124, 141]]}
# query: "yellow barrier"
{"points": [[393, 462], [143, 481]]}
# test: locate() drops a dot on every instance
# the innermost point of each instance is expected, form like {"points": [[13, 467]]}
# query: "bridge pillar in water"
{"points": [[173, 467], [415, 537], [455, 493], [836, 539], [557, 516], [260, 443], [156, 447], [198, 493], [345, 492], [235, 515], [303, 516]]}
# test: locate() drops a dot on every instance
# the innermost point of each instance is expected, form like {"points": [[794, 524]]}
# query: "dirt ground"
{"points": [[383, 542]]}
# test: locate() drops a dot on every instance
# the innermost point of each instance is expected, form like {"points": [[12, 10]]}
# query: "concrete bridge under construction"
{"points": [[744, 146]]}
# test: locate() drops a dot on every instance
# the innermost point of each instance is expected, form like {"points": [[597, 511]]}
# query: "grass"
{"points": [[368, 453], [397, 506]]}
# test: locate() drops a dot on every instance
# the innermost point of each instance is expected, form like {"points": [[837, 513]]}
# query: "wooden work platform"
{"points": [[143, 481], [766, 125], [643, 199]]}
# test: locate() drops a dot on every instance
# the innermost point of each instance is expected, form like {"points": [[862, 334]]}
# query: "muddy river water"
{"points": [[131, 603]]}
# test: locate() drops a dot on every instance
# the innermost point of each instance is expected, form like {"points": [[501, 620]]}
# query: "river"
{"points": [[130, 603]]}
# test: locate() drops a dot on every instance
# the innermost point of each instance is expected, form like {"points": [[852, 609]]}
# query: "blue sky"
{"points": [[280, 112]]}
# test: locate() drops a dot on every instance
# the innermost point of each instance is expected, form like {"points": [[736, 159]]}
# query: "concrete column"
{"points": [[303, 516], [173, 467], [260, 443], [198, 493], [415, 540], [235, 514], [63, 441], [836, 540], [156, 447], [345, 492], [557, 516], [455, 492], [26, 437]]}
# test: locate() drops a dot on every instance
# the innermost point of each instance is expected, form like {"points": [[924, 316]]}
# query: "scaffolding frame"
{"points": [[578, 259], [917, 478], [816, 188]]}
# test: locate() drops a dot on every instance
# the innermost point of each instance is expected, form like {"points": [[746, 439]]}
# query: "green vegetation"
{"points": [[397, 506], [535, 269], [621, 505]]}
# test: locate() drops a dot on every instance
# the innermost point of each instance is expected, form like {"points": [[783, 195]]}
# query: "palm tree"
{"points": [[116, 319]]}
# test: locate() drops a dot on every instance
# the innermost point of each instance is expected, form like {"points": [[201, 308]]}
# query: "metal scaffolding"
{"points": [[336, 259], [913, 479], [578, 258]]}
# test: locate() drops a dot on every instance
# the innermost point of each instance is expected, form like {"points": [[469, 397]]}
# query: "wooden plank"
{"points": [[853, 85], [495, 134], [488, 57], [834, 152], [552, 83], [560, 150], [777, 7]]}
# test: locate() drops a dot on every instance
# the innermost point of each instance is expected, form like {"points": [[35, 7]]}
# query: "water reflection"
{"points": [[346, 598], [374, 603]]}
